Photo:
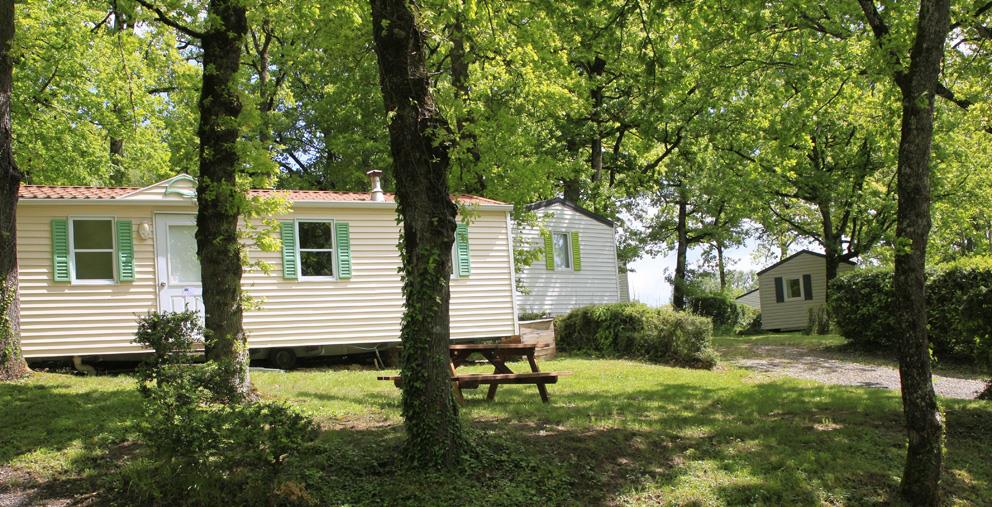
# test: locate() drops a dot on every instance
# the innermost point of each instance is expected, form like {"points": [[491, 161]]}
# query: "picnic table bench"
{"points": [[496, 354]]}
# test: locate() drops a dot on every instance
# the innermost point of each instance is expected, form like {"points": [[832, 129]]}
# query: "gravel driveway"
{"points": [[797, 362]]}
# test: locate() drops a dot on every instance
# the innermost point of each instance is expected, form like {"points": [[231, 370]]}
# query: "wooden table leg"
{"points": [[541, 388], [455, 387]]}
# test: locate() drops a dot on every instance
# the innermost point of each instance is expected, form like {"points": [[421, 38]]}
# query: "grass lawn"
{"points": [[617, 432]]}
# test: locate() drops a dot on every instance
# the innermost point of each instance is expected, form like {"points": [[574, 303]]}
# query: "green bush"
{"points": [[196, 450], [727, 314], [753, 322], [638, 331], [959, 301]]}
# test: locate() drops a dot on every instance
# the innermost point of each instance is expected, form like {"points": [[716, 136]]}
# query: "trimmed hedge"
{"points": [[637, 331], [959, 300], [726, 313]]}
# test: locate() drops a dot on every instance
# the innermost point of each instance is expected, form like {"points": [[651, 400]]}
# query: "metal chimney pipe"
{"points": [[376, 193]]}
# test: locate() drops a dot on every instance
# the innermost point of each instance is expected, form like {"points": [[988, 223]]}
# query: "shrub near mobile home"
{"points": [[638, 331], [959, 301], [199, 451]]}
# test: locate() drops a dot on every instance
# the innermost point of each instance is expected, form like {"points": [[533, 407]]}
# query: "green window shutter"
{"points": [[576, 252], [125, 251], [60, 250], [549, 251], [343, 233], [779, 290], [808, 286], [287, 233], [462, 250]]}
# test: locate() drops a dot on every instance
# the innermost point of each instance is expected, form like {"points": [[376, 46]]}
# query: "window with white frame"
{"points": [[316, 248], [793, 288], [92, 244], [562, 250]]}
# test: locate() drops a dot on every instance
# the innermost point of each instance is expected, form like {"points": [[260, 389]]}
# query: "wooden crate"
{"points": [[542, 333]]}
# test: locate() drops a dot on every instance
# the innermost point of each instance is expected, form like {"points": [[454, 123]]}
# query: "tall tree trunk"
{"points": [[831, 242], [721, 266], [596, 70], [475, 183], [572, 189], [219, 200], [118, 174], [921, 476], [12, 363], [420, 166], [682, 250]]}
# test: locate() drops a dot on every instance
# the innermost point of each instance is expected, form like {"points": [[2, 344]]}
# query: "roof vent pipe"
{"points": [[376, 193]]}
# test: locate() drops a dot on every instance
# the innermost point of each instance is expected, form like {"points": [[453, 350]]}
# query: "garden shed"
{"points": [[791, 287]]}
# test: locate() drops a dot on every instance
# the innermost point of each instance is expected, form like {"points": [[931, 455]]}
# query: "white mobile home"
{"points": [[579, 263], [790, 288], [93, 258], [751, 298]]}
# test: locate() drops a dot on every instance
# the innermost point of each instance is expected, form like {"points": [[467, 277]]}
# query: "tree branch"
{"points": [[166, 20]]}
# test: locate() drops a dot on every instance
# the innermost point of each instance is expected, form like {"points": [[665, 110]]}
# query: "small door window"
{"points": [[93, 249], [184, 265]]}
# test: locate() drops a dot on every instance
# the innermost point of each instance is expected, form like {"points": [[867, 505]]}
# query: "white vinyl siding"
{"points": [[560, 291], [752, 299], [793, 313], [66, 320]]}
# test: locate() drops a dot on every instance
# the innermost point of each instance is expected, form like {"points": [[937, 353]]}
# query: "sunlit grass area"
{"points": [[616, 432]]}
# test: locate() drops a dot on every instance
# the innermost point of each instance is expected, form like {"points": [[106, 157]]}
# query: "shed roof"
{"points": [[797, 254], [29, 192], [571, 205], [752, 291]]}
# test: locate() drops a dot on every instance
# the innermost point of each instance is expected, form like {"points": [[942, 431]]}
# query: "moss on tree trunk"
{"points": [[12, 363], [219, 200], [420, 168]]}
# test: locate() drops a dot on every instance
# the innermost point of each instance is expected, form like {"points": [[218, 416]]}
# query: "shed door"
{"points": [[178, 270]]}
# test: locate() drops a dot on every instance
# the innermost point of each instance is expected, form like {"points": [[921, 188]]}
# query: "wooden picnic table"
{"points": [[496, 354]]}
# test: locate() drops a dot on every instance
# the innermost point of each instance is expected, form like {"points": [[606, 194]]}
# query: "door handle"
{"points": [[161, 284]]}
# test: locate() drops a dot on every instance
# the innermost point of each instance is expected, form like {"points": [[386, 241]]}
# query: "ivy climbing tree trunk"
{"points": [[220, 202], [12, 363], [917, 84], [420, 167]]}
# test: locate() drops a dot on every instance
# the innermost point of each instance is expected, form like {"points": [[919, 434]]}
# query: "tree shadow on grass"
{"points": [[43, 422], [771, 443]]}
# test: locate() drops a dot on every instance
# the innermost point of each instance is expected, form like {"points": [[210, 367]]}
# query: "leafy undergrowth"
{"points": [[616, 432]]}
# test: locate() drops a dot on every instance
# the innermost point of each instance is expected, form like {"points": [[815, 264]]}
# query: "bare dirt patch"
{"points": [[801, 363]]}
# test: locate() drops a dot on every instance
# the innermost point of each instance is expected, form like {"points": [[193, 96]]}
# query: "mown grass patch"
{"points": [[616, 432]]}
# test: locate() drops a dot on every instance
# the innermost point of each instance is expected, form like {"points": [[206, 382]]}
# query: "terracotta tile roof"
{"points": [[53, 192], [57, 192]]}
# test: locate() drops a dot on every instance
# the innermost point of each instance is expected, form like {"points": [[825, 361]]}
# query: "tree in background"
{"points": [[420, 167], [101, 102], [690, 205], [12, 363]]}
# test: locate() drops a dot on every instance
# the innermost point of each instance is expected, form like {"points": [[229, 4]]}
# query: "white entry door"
{"points": [[179, 285]]}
